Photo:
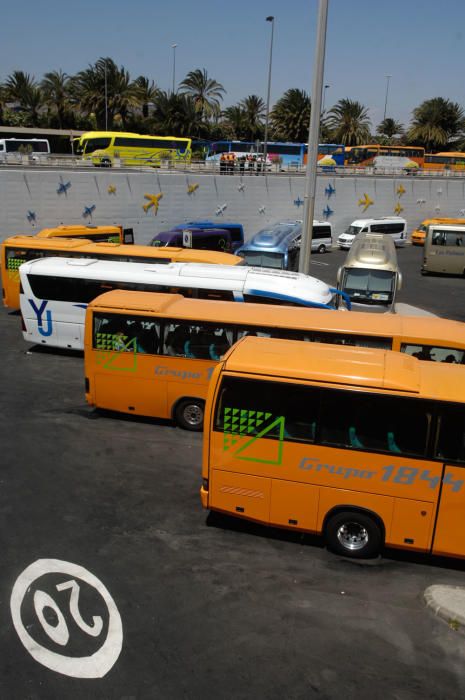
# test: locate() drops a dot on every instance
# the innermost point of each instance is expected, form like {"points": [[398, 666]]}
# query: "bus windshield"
{"points": [[260, 259], [373, 286]]}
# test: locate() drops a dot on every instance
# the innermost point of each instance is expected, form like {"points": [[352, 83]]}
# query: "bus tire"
{"points": [[189, 414], [353, 534], [322, 248], [105, 163]]}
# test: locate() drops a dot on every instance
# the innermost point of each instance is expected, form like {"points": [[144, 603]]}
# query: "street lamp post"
{"points": [[388, 78], [106, 97], [265, 145], [173, 46]]}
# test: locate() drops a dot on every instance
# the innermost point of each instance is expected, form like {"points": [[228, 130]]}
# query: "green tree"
{"points": [[290, 117], [254, 113], [122, 94], [22, 88], [206, 93], [436, 123], [147, 93], [175, 115], [234, 123], [56, 96], [349, 123], [389, 128]]}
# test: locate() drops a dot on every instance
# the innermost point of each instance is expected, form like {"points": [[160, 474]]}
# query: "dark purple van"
{"points": [[202, 239]]}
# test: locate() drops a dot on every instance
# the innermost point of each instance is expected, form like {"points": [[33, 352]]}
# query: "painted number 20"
{"points": [[59, 633]]}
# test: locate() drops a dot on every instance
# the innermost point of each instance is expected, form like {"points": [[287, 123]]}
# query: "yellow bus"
{"points": [[363, 446], [16, 250], [376, 156], [97, 234], [152, 354], [102, 147], [445, 160]]}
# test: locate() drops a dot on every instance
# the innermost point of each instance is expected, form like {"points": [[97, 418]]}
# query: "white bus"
{"points": [[55, 291], [36, 148]]}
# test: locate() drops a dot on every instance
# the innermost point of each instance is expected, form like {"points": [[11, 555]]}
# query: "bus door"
{"points": [[450, 525]]}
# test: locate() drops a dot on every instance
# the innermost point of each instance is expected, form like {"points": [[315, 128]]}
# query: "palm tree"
{"points": [[206, 92], [290, 117], [176, 115], [436, 122], [89, 91], [23, 89], [349, 123], [55, 88], [389, 128], [254, 113], [234, 123], [147, 93]]}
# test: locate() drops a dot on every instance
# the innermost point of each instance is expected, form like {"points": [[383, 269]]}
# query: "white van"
{"points": [[394, 226]]}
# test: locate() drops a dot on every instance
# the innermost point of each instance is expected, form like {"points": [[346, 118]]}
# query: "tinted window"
{"points": [[201, 341], [92, 145], [115, 332], [434, 353], [321, 232], [338, 418], [451, 441]]}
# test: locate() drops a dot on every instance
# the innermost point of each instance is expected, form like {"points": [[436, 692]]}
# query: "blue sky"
{"points": [[419, 42]]}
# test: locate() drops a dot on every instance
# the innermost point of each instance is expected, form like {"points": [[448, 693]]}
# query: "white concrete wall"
{"points": [[255, 201]]}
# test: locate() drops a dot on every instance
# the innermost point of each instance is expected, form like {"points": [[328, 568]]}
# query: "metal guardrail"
{"points": [[214, 167]]}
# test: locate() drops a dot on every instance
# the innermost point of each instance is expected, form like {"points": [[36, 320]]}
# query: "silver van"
{"points": [[370, 274], [393, 226], [444, 250]]}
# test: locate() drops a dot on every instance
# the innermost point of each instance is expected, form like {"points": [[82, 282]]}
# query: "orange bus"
{"points": [[153, 354], [445, 160], [396, 157], [97, 234], [16, 250], [419, 234], [363, 446]]}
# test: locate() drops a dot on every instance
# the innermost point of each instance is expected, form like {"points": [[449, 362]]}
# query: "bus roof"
{"points": [[79, 229], [109, 134], [89, 247], [275, 284], [349, 367], [374, 251], [417, 328]]}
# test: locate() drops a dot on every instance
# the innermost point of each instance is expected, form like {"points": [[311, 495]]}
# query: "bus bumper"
{"points": [[204, 497]]}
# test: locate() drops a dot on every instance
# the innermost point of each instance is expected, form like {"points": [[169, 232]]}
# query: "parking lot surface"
{"points": [[114, 584]]}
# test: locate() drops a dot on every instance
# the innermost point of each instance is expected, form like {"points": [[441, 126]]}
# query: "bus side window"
{"points": [[451, 439]]}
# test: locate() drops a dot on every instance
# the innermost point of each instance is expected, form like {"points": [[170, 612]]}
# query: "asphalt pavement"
{"points": [[115, 584]]}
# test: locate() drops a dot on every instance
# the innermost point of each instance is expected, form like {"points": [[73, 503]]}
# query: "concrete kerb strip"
{"points": [[447, 602]]}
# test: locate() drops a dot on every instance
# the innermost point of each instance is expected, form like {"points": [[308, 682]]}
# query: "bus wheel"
{"points": [[322, 248], [105, 163], [353, 534], [189, 414]]}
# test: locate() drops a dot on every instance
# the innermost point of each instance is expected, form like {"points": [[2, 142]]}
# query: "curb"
{"points": [[447, 602]]}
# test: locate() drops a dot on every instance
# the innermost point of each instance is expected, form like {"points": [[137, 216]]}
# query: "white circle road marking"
{"points": [[97, 664]]}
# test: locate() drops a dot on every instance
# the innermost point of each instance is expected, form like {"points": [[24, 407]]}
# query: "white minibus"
{"points": [[55, 291], [35, 148], [394, 226]]}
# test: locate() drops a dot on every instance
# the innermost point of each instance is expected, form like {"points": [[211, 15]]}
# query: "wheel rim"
{"points": [[352, 536], [193, 414]]}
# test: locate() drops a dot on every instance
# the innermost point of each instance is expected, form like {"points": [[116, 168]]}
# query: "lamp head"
{"points": [[270, 18]]}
